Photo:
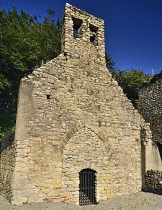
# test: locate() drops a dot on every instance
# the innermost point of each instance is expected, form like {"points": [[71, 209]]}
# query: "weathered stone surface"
{"points": [[4, 204], [153, 181], [150, 107], [7, 164], [55, 193], [72, 115]]}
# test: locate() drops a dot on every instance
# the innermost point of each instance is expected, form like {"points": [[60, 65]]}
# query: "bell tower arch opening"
{"points": [[76, 27], [93, 34], [87, 187]]}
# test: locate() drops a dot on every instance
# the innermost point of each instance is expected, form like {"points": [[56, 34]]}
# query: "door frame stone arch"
{"points": [[83, 150]]}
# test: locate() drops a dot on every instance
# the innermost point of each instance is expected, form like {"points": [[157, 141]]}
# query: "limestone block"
{"points": [[29, 193], [18, 200], [55, 193], [20, 183]]}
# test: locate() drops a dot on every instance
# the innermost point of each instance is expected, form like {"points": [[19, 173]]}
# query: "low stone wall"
{"points": [[7, 164], [153, 181]]}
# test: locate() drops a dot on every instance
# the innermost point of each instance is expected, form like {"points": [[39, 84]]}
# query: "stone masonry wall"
{"points": [[85, 142], [73, 115], [150, 106], [153, 181], [7, 164]]}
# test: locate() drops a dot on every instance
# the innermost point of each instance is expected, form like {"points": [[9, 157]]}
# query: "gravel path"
{"points": [[136, 201]]}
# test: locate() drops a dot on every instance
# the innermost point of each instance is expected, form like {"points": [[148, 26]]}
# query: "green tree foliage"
{"points": [[24, 43], [131, 81], [110, 64]]}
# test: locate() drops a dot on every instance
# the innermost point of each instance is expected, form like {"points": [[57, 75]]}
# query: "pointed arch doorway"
{"points": [[87, 188]]}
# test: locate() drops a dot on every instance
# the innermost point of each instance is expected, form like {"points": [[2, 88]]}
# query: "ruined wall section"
{"points": [[150, 106], [7, 163], [153, 182]]}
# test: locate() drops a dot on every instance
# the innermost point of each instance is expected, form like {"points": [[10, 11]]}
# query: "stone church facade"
{"points": [[74, 123]]}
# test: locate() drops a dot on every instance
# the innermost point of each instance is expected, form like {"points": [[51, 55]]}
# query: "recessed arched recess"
{"points": [[87, 187], [83, 152]]}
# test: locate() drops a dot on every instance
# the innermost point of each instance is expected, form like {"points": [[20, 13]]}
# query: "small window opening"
{"points": [[87, 188], [76, 26], [48, 96], [160, 149], [93, 34]]}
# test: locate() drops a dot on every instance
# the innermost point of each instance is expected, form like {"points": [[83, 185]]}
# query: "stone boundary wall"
{"points": [[153, 181], [7, 164]]}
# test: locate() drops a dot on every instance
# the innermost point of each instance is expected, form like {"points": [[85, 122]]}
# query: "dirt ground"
{"points": [[136, 201]]}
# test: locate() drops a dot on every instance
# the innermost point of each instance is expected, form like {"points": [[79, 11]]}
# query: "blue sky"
{"points": [[133, 28]]}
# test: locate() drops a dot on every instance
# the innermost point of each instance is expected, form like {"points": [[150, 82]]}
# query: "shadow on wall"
{"points": [[153, 182], [143, 153], [151, 179], [160, 149], [7, 164]]}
